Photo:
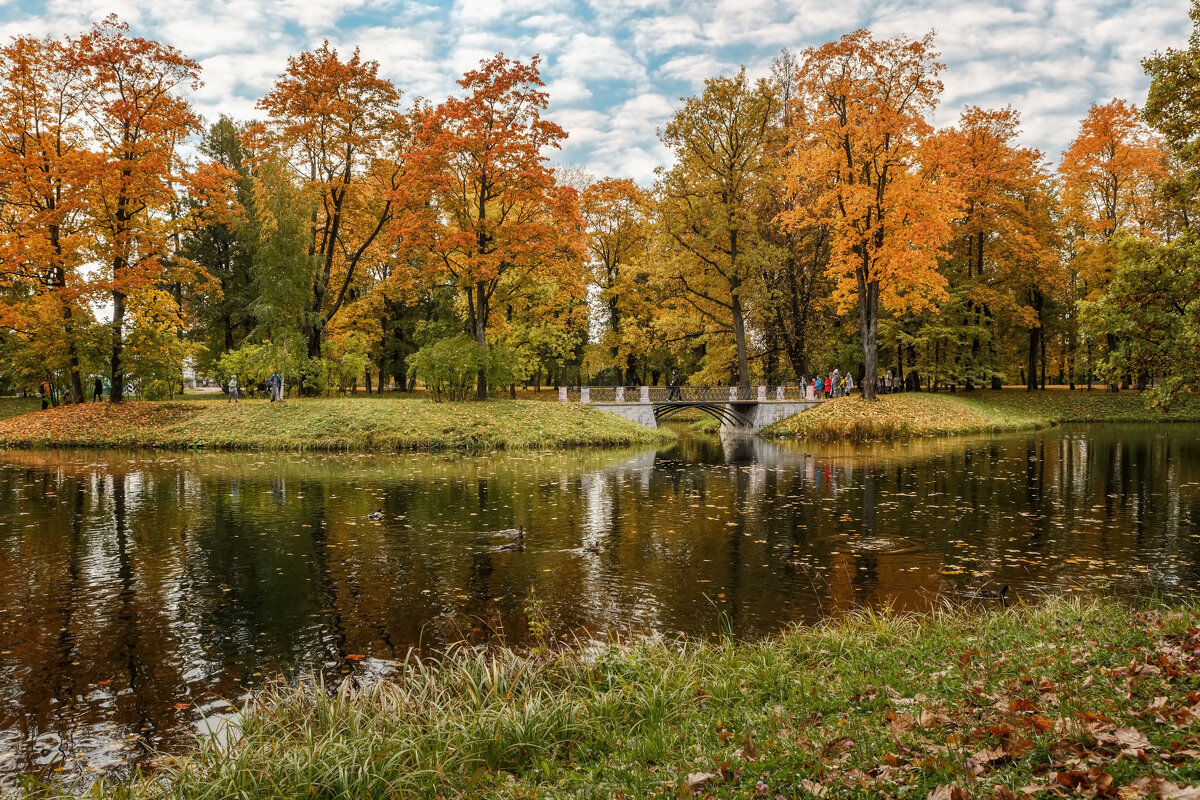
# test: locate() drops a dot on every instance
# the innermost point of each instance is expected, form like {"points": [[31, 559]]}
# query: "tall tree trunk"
{"points": [[481, 311], [1111, 341], [117, 376], [60, 282], [1043, 348], [1035, 345], [739, 338], [868, 324], [72, 356]]}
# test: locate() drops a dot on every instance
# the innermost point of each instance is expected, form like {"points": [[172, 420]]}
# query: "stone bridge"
{"points": [[738, 410]]}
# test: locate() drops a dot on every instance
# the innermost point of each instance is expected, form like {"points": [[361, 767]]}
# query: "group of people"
{"points": [[44, 391], [834, 384], [274, 387]]}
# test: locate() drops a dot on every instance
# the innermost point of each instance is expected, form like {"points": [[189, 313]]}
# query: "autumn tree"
{"points": [[1004, 262], [138, 120], [1109, 177], [617, 214], [498, 225], [794, 282], [861, 151], [222, 239], [1173, 110], [46, 166], [338, 128], [711, 201]]}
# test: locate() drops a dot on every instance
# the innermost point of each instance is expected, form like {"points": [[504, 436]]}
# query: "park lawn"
{"points": [[15, 406], [1066, 698], [356, 424], [982, 411]]}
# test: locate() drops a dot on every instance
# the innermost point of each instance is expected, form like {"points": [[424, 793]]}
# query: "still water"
{"points": [[141, 592]]}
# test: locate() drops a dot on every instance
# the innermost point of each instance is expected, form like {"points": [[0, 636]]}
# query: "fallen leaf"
{"points": [[697, 779], [814, 788], [1131, 740], [948, 792]]}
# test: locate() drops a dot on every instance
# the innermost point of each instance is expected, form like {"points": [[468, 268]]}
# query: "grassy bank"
{"points": [[1067, 699], [981, 411], [15, 406], [361, 424]]}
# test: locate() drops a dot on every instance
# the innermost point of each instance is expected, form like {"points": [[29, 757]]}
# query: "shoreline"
{"points": [[1069, 695], [325, 425]]}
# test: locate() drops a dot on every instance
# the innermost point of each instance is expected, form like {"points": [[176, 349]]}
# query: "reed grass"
{"points": [[1051, 700]]}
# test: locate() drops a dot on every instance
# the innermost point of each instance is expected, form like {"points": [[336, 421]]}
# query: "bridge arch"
{"points": [[722, 412]]}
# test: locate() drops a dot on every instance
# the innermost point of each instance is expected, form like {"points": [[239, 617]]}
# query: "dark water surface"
{"points": [[138, 590]]}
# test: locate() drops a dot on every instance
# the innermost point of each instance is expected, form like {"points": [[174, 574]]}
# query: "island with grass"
{"points": [[913, 414], [324, 424]]}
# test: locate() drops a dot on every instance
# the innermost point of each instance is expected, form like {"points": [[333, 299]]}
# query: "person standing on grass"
{"points": [[44, 391], [273, 386], [233, 390]]}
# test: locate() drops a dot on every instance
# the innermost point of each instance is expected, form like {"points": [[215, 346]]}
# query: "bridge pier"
{"points": [[641, 413], [764, 414]]}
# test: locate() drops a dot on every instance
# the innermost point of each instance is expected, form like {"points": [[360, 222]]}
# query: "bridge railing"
{"points": [[688, 394]]}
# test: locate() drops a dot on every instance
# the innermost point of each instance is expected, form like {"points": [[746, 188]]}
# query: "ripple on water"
{"points": [[887, 545]]}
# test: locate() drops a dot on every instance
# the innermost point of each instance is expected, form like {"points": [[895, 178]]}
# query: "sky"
{"points": [[616, 69]]}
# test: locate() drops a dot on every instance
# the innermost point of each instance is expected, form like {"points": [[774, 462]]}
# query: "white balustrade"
{"points": [[562, 394], [645, 395], [620, 395], [733, 394], [585, 395], [762, 394], [779, 393]]}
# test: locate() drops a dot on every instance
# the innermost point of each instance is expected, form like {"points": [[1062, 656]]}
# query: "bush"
{"points": [[450, 367]]}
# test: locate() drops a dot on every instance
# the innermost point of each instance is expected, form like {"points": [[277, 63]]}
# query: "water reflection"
{"points": [[138, 591]]}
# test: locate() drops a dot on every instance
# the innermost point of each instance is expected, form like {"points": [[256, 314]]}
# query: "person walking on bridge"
{"points": [[674, 393]]}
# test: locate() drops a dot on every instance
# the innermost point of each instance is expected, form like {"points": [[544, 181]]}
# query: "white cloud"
{"points": [[615, 68]]}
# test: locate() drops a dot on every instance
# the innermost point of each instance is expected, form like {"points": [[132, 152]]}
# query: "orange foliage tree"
{"points": [[861, 156], [137, 121], [1005, 260], [339, 129], [498, 223], [1109, 174], [45, 168]]}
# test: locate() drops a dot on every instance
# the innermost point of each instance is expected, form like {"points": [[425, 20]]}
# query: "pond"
{"points": [[141, 593]]}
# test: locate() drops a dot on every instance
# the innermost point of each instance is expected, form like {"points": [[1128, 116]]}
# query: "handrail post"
{"points": [[562, 394], [620, 395], [644, 396], [779, 393], [733, 394], [762, 394], [585, 394]]}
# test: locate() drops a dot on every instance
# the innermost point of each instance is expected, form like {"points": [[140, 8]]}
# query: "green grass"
{"points": [[356, 424], [981, 411], [15, 406], [1066, 696]]}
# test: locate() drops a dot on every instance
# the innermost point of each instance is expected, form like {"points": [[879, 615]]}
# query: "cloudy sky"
{"points": [[616, 68]]}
